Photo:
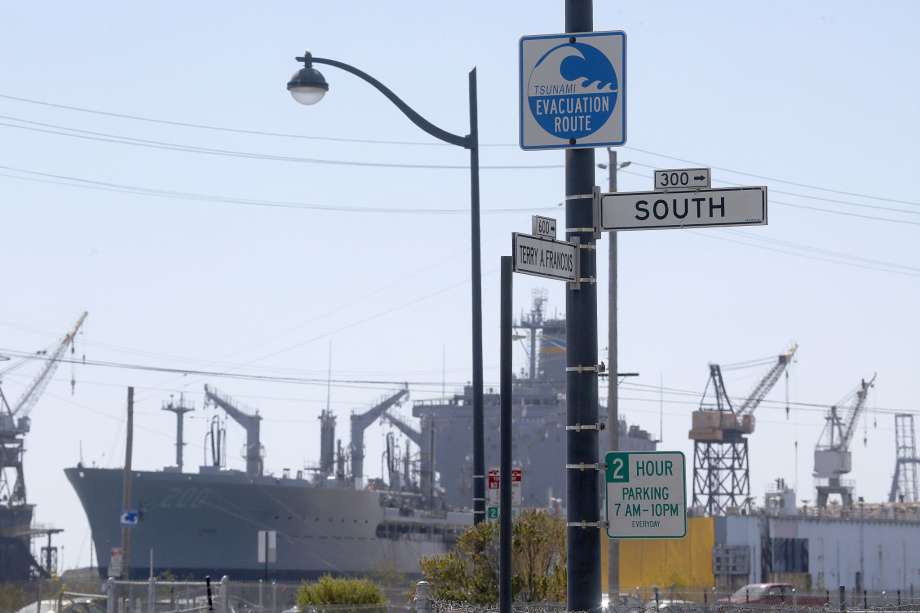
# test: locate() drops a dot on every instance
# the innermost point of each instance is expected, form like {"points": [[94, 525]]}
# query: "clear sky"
{"points": [[812, 95]]}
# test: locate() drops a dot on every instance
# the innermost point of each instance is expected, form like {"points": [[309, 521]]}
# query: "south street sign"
{"points": [[729, 206], [573, 90], [544, 258], [646, 495]]}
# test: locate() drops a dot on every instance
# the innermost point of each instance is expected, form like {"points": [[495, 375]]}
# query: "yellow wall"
{"points": [[685, 562]]}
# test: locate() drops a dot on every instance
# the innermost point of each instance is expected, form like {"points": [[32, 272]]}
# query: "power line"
{"points": [[212, 127], [81, 183], [55, 129], [832, 253], [78, 182], [819, 209], [801, 195], [105, 137], [775, 179], [819, 258], [345, 383]]}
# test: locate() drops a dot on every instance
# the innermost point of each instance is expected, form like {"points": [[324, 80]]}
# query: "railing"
{"points": [[154, 596]]}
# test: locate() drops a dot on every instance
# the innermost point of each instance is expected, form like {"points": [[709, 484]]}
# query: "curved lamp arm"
{"points": [[424, 124]]}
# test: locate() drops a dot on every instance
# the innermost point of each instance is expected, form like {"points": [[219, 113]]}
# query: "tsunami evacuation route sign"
{"points": [[573, 90]]}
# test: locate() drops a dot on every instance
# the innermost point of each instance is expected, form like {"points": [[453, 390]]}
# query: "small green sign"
{"points": [[617, 467], [492, 513]]}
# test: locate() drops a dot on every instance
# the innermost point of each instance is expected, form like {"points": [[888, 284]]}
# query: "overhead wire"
{"points": [[212, 127], [79, 182]]}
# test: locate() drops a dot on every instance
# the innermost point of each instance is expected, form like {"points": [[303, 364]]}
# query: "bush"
{"points": [[331, 590], [469, 573]]}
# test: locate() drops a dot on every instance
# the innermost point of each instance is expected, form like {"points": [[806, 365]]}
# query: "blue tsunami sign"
{"points": [[572, 90]]}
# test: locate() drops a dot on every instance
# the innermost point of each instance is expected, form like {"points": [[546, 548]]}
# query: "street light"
{"points": [[308, 86]]}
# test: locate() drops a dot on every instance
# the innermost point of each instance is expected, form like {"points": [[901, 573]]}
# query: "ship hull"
{"points": [[197, 525]]}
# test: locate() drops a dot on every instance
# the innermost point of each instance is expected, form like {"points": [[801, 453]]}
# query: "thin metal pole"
{"points": [[126, 487], [582, 486], [504, 586], [613, 408], [479, 461]]}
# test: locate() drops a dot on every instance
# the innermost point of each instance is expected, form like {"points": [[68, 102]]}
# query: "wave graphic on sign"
{"points": [[572, 90]]}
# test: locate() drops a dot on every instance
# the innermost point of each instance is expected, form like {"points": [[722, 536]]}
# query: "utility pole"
{"points": [[479, 454], [126, 487], [613, 415], [504, 514], [582, 483]]}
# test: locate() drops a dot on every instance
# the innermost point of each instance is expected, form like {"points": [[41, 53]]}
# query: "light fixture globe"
{"points": [[307, 86]]}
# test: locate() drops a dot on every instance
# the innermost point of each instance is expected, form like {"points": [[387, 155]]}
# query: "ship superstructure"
{"points": [[538, 417]]}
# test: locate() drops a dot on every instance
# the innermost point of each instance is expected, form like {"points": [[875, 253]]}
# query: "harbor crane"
{"points": [[250, 422], [360, 422], [832, 453], [721, 470], [15, 422], [905, 482]]}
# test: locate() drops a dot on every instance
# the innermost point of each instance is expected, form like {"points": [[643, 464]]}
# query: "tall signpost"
{"points": [[543, 256], [613, 382], [572, 97]]}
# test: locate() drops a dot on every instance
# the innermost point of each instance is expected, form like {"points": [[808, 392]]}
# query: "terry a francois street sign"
{"points": [[573, 90], [544, 257], [735, 206], [646, 495]]}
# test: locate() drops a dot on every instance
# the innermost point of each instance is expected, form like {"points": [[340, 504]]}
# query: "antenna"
{"points": [[329, 379]]}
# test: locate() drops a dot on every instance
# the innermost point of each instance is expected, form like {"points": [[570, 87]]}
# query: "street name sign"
{"points": [[572, 90], [646, 495], [544, 257], [493, 491], [683, 178], [544, 227], [729, 206]]}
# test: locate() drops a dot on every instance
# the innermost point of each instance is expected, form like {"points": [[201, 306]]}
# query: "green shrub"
{"points": [[469, 572], [331, 590]]}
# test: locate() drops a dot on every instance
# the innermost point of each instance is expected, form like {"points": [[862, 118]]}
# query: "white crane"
{"points": [[832, 453], [14, 418]]}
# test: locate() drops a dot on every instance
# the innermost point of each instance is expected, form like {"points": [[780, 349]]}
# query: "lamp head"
{"points": [[307, 86]]}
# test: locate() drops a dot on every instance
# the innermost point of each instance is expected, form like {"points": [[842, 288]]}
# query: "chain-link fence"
{"points": [[228, 596], [710, 601], [224, 596]]}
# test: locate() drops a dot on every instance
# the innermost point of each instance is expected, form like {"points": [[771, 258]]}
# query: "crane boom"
{"points": [[360, 423], [411, 433], [764, 386], [853, 415], [36, 388], [249, 421]]}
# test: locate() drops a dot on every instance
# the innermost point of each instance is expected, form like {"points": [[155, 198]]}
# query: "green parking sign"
{"points": [[646, 494]]}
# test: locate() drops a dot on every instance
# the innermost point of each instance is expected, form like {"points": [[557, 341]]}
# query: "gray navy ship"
{"points": [[332, 519]]}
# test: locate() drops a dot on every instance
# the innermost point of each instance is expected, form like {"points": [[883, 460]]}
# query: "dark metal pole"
{"points": [[479, 461], [582, 485], [126, 487], [504, 511], [613, 414]]}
